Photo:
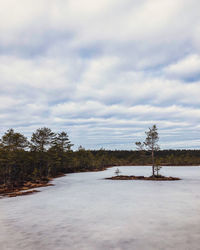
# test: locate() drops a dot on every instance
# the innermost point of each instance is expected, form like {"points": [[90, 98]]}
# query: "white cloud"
{"points": [[104, 71], [188, 67]]}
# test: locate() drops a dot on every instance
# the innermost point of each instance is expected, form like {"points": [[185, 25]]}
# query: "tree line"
{"points": [[48, 154]]}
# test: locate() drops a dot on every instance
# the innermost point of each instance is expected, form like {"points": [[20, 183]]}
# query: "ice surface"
{"points": [[85, 212]]}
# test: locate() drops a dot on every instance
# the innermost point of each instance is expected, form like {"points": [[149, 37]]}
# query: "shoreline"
{"points": [[26, 189], [29, 187], [143, 178]]}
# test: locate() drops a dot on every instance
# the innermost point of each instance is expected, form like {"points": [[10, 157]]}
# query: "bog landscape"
{"points": [[29, 164], [93, 205], [99, 125]]}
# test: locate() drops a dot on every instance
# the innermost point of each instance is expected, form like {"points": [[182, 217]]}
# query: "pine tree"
{"points": [[150, 144]]}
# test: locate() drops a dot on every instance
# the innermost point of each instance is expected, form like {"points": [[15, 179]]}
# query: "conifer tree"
{"points": [[150, 144]]}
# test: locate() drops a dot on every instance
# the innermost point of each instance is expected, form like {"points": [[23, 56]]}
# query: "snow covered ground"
{"points": [[85, 212]]}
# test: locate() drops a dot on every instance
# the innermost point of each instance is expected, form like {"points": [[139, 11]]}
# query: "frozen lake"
{"points": [[84, 212]]}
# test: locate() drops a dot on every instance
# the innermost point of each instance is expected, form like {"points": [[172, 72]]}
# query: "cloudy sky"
{"points": [[104, 71]]}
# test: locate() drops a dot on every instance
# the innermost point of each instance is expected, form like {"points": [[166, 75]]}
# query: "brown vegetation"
{"points": [[21, 190], [150, 178]]}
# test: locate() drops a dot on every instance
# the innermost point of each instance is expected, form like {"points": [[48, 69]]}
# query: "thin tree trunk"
{"points": [[153, 165]]}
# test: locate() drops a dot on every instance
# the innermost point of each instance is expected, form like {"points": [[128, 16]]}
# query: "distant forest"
{"points": [[49, 154]]}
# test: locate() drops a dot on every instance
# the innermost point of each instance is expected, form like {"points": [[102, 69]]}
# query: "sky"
{"points": [[103, 71]]}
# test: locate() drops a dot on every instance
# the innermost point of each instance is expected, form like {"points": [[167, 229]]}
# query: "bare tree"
{"points": [[117, 172], [157, 169], [150, 144]]}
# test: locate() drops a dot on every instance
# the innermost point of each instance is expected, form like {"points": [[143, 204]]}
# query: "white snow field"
{"points": [[85, 212]]}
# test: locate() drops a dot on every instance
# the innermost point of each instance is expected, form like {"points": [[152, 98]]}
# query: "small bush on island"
{"points": [[117, 172]]}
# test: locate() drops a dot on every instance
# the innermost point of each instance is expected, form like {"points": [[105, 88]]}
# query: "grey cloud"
{"points": [[104, 71], [187, 69]]}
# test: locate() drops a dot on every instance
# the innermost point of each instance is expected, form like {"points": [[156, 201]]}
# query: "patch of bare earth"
{"points": [[149, 178], [26, 189]]}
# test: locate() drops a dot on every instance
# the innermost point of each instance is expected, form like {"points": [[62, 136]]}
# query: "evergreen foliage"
{"points": [[50, 154], [151, 145]]}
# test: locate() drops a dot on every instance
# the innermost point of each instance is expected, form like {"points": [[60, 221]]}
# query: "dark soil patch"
{"points": [[23, 189], [150, 178], [14, 194]]}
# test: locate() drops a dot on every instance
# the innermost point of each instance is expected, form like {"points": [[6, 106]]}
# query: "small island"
{"points": [[150, 145], [150, 178]]}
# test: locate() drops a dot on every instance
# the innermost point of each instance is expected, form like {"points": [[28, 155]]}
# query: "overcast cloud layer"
{"points": [[104, 71]]}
